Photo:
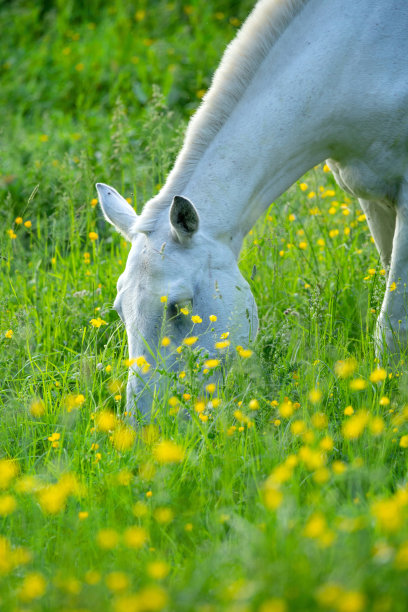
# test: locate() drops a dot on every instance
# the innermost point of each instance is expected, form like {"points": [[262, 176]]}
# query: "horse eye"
{"points": [[176, 310], [172, 310]]}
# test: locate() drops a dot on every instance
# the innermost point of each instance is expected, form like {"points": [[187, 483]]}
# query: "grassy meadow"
{"points": [[286, 487]]}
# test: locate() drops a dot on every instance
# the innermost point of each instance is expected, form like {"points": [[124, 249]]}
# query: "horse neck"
{"points": [[287, 120]]}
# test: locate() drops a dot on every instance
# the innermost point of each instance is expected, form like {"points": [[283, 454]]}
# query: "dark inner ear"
{"points": [[183, 216]]}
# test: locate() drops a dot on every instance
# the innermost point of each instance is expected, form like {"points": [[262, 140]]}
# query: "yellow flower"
{"points": [[105, 420], [346, 367], [190, 340], [272, 496], [327, 443], [94, 202], [315, 396], [349, 410], [358, 384], [74, 401], [303, 186], [404, 442], [163, 515], [141, 363], [298, 427], [286, 409], [79, 67], [7, 505], [213, 318], [244, 353], [351, 601], [165, 341], [184, 311], [43, 138], [53, 498], [117, 581], [401, 557], [377, 425], [222, 344], [163, 299], [315, 526], [93, 236], [140, 15], [97, 322], [54, 437], [292, 217], [333, 233], [92, 577], [199, 407], [27, 224], [135, 537], [319, 420], [168, 452], [123, 438], [83, 515], [338, 467], [124, 477], [158, 569], [321, 476], [150, 598], [8, 471], [313, 459], [378, 375], [33, 587], [174, 401], [388, 514], [393, 286], [196, 319], [9, 334], [210, 388], [355, 425], [302, 245], [107, 539], [12, 235], [212, 363], [18, 220], [384, 401], [273, 605]]}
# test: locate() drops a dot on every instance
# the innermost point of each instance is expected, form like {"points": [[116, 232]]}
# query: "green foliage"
{"points": [[283, 489]]}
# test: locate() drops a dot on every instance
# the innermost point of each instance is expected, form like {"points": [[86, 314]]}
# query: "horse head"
{"points": [[178, 283]]}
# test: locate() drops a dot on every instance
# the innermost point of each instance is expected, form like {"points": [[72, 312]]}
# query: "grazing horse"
{"points": [[304, 81]]}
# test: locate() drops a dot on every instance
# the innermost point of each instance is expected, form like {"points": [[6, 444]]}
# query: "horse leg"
{"points": [[381, 221], [392, 324]]}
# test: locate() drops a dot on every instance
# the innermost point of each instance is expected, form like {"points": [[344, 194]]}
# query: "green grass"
{"points": [[220, 527]]}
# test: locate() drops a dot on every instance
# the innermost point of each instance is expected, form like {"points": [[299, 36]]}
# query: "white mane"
{"points": [[241, 59]]}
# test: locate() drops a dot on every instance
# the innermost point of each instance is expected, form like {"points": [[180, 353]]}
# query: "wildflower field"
{"points": [[283, 488]]}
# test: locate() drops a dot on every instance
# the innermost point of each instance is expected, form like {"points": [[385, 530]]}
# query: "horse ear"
{"points": [[116, 210], [184, 219]]}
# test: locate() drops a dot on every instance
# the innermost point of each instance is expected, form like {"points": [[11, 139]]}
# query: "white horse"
{"points": [[304, 81]]}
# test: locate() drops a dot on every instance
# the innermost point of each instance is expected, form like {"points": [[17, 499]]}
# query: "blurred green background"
{"points": [[76, 87]]}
